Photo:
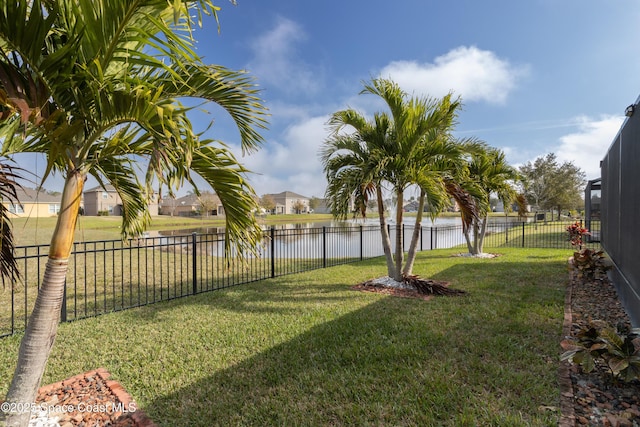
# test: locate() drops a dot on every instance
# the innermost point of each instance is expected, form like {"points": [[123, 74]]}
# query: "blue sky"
{"points": [[535, 76]]}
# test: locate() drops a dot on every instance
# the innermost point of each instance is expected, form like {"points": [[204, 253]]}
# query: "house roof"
{"points": [[189, 200], [288, 195], [30, 195], [108, 188]]}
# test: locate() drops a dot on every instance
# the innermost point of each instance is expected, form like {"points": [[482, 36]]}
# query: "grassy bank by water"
{"points": [[306, 349]]}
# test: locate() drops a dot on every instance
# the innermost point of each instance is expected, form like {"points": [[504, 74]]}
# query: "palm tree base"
{"points": [[431, 287], [411, 287]]}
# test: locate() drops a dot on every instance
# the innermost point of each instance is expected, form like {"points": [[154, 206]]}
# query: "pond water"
{"points": [[351, 238], [409, 221]]}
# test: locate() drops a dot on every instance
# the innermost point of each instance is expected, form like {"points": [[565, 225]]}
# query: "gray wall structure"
{"points": [[620, 237]]}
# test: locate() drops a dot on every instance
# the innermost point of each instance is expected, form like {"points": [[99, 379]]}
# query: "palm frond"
{"points": [[466, 203], [121, 174], [8, 195], [234, 91], [219, 168]]}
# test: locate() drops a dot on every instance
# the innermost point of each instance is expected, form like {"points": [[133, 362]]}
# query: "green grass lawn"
{"points": [[305, 349]]}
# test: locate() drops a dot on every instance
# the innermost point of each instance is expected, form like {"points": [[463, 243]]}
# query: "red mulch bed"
{"points": [[89, 400]]}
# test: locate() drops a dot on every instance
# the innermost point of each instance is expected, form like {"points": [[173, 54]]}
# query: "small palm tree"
{"points": [[96, 87], [490, 172], [353, 165]]}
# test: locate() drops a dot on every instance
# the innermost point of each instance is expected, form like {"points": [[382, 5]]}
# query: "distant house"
{"points": [[106, 201], [289, 202], [34, 204], [321, 206], [413, 206], [207, 204]]}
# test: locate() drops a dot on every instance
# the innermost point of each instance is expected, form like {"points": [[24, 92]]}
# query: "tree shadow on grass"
{"points": [[449, 361]]}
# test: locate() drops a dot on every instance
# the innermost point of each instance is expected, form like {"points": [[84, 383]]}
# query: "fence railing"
{"points": [[111, 275]]}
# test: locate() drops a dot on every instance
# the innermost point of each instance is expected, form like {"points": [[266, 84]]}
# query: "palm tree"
{"points": [[438, 168], [490, 172], [399, 149], [438, 181], [353, 165], [96, 86]]}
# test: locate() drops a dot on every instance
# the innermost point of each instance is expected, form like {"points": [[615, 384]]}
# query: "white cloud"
{"points": [[291, 164], [474, 74], [586, 147], [276, 62]]}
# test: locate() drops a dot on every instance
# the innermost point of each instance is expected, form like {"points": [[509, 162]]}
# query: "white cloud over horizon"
{"points": [[586, 147], [291, 164], [472, 73]]}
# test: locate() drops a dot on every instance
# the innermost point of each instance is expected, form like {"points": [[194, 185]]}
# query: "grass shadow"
{"points": [[485, 359]]}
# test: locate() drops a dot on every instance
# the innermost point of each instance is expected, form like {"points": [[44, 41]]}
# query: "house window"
{"points": [[54, 208], [105, 195], [16, 209]]}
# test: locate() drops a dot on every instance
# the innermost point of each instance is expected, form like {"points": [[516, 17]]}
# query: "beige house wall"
{"points": [[100, 200], [34, 204], [191, 205], [33, 210], [286, 201]]}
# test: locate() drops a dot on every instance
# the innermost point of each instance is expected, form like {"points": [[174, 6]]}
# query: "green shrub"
{"points": [[618, 348]]}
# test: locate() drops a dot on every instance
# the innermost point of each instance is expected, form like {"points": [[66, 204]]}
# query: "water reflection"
{"points": [[312, 240], [407, 220]]}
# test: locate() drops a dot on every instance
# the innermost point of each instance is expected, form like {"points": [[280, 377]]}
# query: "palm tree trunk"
{"points": [[386, 240], [468, 239], [43, 323], [483, 232], [476, 238], [415, 237], [399, 251]]}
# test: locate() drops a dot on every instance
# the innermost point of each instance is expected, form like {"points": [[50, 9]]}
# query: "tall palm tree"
{"points": [[490, 172], [438, 166], [398, 149], [421, 154], [95, 85]]}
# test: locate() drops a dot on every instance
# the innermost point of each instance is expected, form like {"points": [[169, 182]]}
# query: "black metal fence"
{"points": [[107, 276], [620, 203]]}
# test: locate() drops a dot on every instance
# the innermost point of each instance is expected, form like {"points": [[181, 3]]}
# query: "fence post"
{"points": [[436, 239], [430, 238], [324, 246], [194, 263], [523, 234], [402, 241], [361, 245], [421, 246], [272, 243], [506, 231]]}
